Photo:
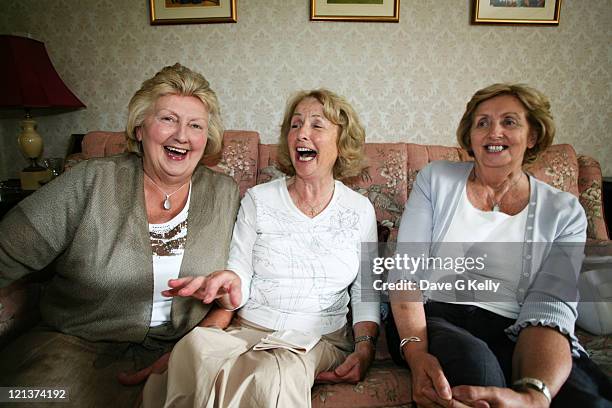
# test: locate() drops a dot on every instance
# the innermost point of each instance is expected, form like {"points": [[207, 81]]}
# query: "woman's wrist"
{"points": [[535, 399], [366, 348], [413, 353]]}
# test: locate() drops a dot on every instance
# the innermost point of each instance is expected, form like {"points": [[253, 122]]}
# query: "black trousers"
{"points": [[473, 349]]}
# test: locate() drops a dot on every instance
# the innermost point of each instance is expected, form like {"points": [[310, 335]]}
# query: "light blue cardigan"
{"points": [[553, 216]]}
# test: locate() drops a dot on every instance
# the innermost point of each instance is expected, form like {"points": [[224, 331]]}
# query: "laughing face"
{"points": [[500, 133], [312, 141], [173, 138]]}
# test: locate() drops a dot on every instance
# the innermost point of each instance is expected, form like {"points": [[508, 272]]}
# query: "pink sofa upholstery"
{"points": [[387, 183]]}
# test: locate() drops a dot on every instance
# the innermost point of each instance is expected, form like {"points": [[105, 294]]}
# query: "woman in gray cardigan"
{"points": [[114, 231], [508, 339]]}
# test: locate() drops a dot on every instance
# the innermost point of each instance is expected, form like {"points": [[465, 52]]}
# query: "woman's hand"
{"points": [[495, 397], [222, 285], [353, 369], [430, 388], [158, 367]]}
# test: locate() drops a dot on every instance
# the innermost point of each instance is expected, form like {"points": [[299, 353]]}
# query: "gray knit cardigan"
{"points": [[90, 225]]}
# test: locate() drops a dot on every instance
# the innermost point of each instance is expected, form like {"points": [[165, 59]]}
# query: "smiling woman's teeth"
{"points": [[176, 150], [495, 148], [306, 154]]}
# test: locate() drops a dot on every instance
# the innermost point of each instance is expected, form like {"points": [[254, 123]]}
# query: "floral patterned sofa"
{"points": [[387, 183]]}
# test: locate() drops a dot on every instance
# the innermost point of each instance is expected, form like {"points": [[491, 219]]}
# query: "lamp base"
{"points": [[34, 177]]}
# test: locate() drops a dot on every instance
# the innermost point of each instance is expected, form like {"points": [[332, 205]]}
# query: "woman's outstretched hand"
{"points": [[223, 286]]}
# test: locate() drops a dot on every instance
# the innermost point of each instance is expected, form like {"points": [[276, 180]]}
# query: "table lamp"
{"points": [[30, 83]]}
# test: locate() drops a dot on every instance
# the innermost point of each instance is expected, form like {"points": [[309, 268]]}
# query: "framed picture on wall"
{"points": [[355, 10], [192, 11], [543, 12]]}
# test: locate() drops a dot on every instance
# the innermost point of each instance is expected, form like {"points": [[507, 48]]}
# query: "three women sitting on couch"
{"points": [[118, 232]]}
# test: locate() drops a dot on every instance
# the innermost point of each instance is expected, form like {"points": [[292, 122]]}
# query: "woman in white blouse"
{"points": [[294, 265]]}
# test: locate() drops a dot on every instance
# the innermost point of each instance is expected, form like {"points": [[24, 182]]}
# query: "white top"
{"points": [[168, 244], [295, 270], [471, 224]]}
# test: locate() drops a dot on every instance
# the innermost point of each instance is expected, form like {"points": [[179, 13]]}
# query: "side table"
{"points": [[10, 194]]}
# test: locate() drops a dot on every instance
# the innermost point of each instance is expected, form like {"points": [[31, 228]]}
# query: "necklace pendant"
{"points": [[167, 204], [496, 207]]}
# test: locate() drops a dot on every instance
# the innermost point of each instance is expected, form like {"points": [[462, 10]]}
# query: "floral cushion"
{"points": [[557, 166], [239, 158], [384, 181], [385, 385]]}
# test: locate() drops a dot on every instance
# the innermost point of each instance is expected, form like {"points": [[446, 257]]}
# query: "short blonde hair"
{"points": [[536, 104], [351, 138], [174, 80]]}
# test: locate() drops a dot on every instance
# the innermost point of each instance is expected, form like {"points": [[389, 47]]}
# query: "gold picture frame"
{"points": [[385, 11], [192, 12], [513, 12]]}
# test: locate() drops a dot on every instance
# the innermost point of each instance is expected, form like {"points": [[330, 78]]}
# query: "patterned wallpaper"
{"points": [[409, 81]]}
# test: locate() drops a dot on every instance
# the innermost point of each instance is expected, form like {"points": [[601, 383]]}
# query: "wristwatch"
{"points": [[534, 384]]}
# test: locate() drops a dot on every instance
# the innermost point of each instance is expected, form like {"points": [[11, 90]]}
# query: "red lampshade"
{"points": [[28, 79]]}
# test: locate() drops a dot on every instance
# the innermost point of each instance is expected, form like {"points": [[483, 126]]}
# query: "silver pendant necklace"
{"points": [[166, 204]]}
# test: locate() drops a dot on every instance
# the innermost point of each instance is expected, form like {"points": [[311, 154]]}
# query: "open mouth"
{"points": [[305, 154], [175, 151], [495, 148]]}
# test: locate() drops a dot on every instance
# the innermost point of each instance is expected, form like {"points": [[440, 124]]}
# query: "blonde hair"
{"points": [[351, 138], [174, 80], [536, 104]]}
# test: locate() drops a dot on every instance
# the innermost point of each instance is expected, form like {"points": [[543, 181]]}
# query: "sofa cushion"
{"points": [[384, 182], [557, 166], [267, 164], [419, 156], [239, 158], [385, 385], [100, 144]]}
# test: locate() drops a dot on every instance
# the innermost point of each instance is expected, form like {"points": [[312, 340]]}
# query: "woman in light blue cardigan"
{"points": [[513, 345]]}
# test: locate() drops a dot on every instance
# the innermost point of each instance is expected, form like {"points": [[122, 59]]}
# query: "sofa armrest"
{"points": [[73, 159], [591, 197]]}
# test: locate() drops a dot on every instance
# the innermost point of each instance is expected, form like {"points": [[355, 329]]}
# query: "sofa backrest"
{"points": [[391, 173]]}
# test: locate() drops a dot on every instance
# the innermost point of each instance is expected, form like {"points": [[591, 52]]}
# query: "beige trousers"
{"points": [[215, 368]]}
